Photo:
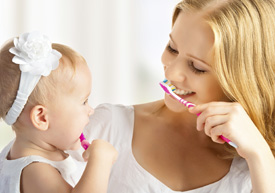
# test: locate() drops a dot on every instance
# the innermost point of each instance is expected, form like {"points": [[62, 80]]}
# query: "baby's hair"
{"points": [[9, 79], [244, 51], [46, 87]]}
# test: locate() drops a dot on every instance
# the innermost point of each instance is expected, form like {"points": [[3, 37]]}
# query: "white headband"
{"points": [[35, 56]]}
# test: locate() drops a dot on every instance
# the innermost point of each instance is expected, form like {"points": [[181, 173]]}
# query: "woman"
{"points": [[219, 57]]}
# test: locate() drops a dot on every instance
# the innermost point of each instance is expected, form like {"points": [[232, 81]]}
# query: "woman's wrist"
{"points": [[262, 171]]}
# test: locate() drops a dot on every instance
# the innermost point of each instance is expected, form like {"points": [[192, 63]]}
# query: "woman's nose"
{"points": [[175, 70]]}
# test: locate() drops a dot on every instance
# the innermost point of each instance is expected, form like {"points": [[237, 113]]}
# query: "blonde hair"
{"points": [[244, 51], [45, 88]]}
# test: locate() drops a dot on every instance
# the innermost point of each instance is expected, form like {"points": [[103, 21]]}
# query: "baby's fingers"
{"points": [[86, 155]]}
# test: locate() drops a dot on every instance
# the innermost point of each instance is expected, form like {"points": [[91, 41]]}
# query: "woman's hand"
{"points": [[230, 120]]}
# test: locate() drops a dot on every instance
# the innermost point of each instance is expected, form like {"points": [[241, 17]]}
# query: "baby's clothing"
{"points": [[115, 123], [11, 170]]}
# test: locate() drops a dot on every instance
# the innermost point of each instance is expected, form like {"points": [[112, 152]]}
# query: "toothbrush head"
{"points": [[168, 89], [82, 137], [84, 143]]}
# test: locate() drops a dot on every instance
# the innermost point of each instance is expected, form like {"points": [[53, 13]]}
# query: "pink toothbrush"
{"points": [[84, 143], [169, 89]]}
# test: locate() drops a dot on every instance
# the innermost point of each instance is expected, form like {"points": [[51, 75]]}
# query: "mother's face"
{"points": [[188, 60]]}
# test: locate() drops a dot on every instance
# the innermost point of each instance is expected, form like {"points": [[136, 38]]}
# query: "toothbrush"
{"points": [[84, 143], [169, 89]]}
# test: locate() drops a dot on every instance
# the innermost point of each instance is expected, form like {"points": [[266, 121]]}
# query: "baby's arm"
{"points": [[100, 156], [43, 178]]}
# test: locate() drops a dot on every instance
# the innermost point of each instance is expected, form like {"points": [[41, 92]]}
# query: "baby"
{"points": [[44, 90]]}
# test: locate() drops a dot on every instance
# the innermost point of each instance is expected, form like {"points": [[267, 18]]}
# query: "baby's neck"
{"points": [[24, 147]]}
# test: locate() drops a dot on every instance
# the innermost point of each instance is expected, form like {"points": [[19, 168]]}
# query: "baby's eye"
{"points": [[171, 50], [85, 102]]}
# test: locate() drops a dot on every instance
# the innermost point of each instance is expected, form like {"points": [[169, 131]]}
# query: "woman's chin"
{"points": [[174, 105]]}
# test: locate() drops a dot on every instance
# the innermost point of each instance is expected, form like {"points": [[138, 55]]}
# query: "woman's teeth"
{"points": [[177, 90], [182, 92]]}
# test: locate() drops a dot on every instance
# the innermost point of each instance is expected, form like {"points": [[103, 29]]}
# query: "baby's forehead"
{"points": [[69, 72], [69, 64]]}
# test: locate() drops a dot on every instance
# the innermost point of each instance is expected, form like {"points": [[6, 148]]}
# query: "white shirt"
{"points": [[11, 170], [115, 123]]}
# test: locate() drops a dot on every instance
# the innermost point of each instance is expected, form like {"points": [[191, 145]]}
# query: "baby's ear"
{"points": [[39, 117]]}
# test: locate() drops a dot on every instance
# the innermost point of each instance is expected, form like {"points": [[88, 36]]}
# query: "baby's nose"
{"points": [[91, 111]]}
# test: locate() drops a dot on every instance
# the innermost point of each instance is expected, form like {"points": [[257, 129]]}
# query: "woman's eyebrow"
{"points": [[190, 55], [171, 38]]}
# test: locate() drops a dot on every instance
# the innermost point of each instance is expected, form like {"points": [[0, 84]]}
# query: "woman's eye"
{"points": [[171, 50], [194, 69]]}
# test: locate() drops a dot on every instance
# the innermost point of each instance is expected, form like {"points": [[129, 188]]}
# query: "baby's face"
{"points": [[70, 113]]}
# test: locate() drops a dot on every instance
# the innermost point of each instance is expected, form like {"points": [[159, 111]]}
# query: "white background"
{"points": [[122, 41]]}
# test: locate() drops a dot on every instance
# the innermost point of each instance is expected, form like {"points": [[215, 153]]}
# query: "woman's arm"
{"points": [[262, 170]]}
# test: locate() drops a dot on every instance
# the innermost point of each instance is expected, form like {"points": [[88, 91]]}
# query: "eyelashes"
{"points": [[189, 62], [171, 50], [85, 102], [194, 69]]}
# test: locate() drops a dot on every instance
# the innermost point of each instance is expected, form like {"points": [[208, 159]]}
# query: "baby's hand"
{"points": [[100, 150]]}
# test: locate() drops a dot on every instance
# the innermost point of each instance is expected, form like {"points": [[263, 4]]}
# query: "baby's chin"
{"points": [[75, 146]]}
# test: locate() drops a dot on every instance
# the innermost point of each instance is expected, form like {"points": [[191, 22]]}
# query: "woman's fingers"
{"points": [[217, 118], [215, 126], [213, 121], [209, 110], [216, 132]]}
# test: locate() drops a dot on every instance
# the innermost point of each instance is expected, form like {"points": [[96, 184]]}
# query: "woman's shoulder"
{"points": [[109, 108], [149, 108]]}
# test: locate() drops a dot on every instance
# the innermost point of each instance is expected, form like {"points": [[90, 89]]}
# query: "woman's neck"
{"points": [[183, 123], [183, 118]]}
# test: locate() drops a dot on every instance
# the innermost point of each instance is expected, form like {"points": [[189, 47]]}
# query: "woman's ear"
{"points": [[39, 117]]}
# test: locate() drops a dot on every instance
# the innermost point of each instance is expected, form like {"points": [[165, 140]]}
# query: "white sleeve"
{"points": [[97, 128], [100, 123], [113, 123]]}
